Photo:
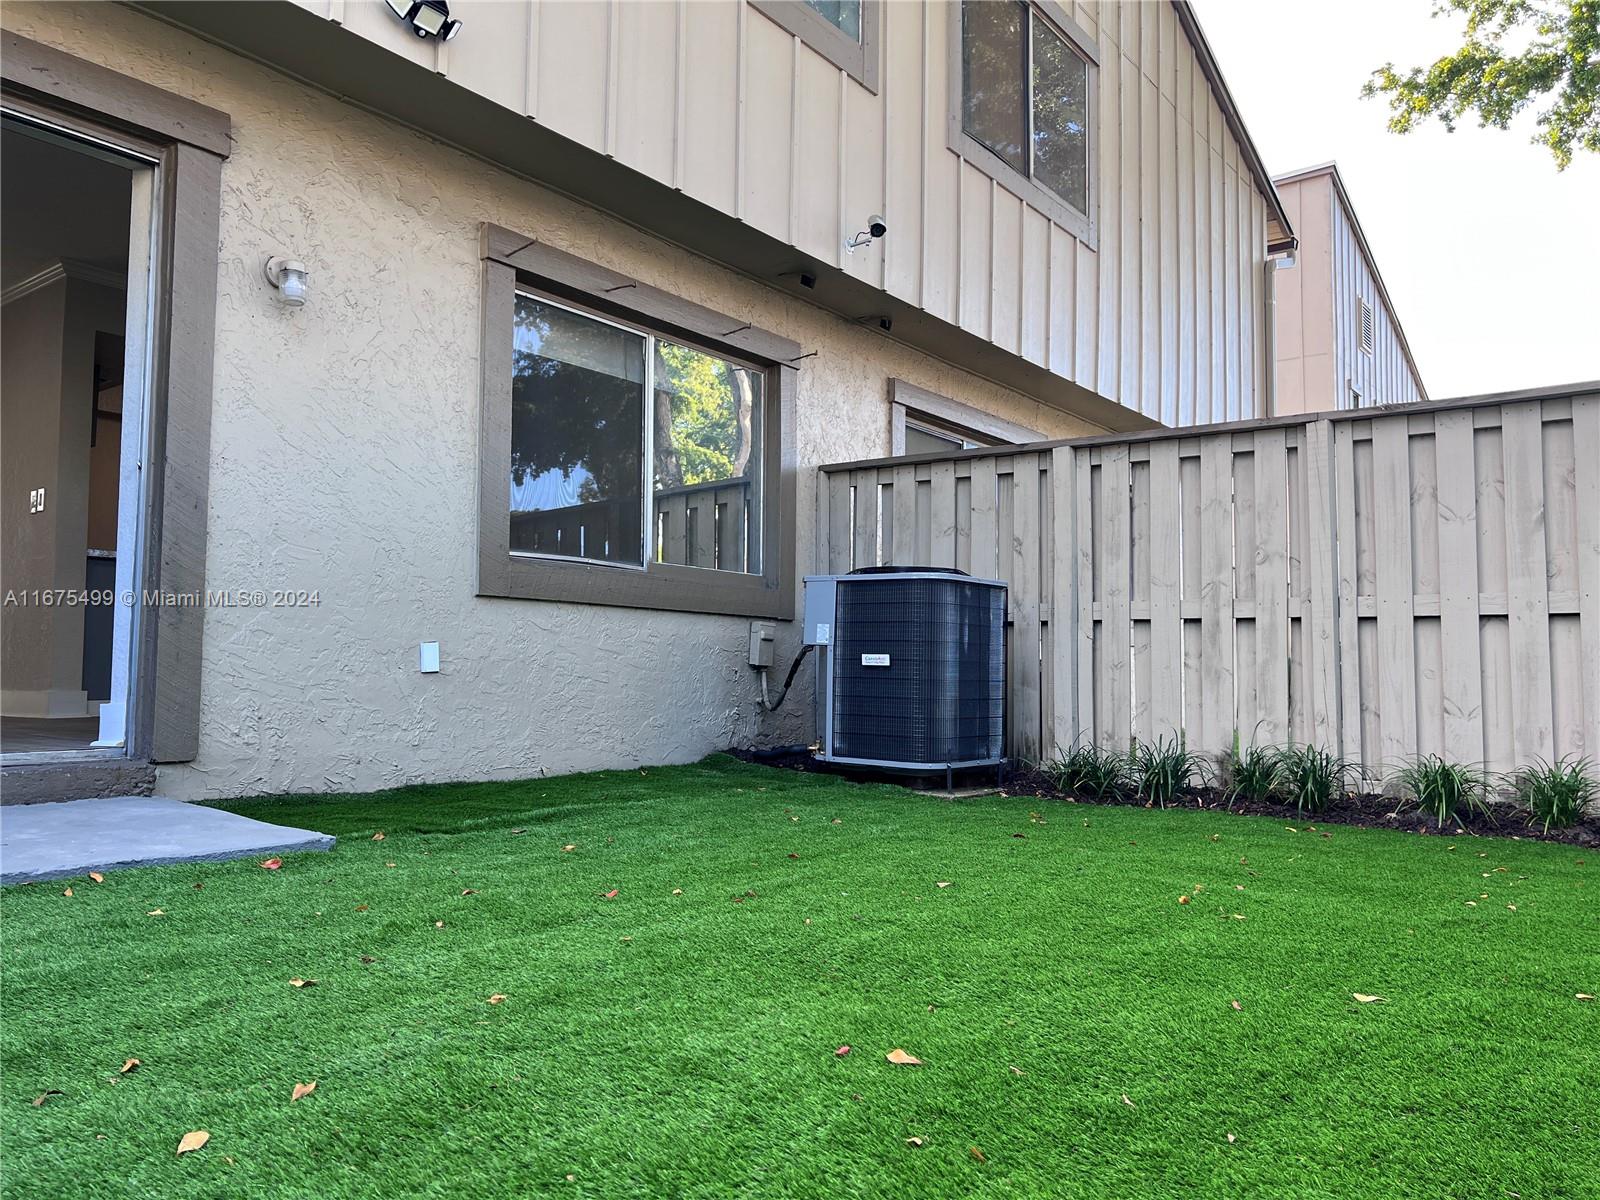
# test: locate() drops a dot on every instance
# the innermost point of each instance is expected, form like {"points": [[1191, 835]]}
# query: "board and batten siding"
{"points": [[1164, 313]]}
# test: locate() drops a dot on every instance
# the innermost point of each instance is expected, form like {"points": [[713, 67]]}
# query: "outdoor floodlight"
{"points": [[427, 18], [290, 278]]}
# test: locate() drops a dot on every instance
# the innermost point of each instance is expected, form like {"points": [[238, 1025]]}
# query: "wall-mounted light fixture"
{"points": [[876, 228], [290, 278], [427, 18]]}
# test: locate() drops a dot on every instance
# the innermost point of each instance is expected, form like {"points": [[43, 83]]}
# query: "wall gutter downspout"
{"points": [[1269, 292]]}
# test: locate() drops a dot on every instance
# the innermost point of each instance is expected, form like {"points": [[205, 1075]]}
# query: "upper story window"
{"points": [[845, 32], [635, 449], [1024, 109]]}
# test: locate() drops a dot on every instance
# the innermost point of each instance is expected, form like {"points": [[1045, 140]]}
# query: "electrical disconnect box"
{"points": [[762, 634]]}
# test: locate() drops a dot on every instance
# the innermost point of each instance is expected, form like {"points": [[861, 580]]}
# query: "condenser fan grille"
{"points": [[919, 673]]}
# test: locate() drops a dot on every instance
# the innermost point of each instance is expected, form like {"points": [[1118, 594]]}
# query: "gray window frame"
{"points": [[918, 406], [1082, 225], [189, 143], [513, 262], [859, 60]]}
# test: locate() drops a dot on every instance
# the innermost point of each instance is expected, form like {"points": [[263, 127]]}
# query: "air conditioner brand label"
{"points": [[874, 660]]}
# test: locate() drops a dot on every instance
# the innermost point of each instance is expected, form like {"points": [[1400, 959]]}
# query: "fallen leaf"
{"points": [[302, 1089], [516, 831], [611, 895], [1472, 904], [1016, 1070], [914, 1142], [794, 856], [1583, 996], [568, 849], [156, 912], [193, 1141], [901, 1059], [97, 877], [837, 821], [388, 864], [497, 998], [68, 892], [942, 884], [1512, 907], [469, 891], [1239, 917], [367, 958], [272, 864], [1231, 1139], [1237, 1007], [438, 924], [1183, 899], [1020, 835], [1126, 1101], [128, 1066], [361, 908], [1361, 998], [378, 837], [976, 1153], [677, 891], [41, 1098], [297, 982], [841, 1051]]}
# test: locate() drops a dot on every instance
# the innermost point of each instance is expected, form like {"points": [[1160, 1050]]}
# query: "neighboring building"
{"points": [[578, 322], [1337, 338]]}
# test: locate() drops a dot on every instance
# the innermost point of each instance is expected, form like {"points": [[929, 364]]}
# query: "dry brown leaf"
{"points": [[302, 1089], [569, 848], [361, 908], [1362, 998], [156, 912], [1583, 996], [193, 1141], [469, 891], [97, 877], [901, 1059], [297, 982], [1126, 1101], [841, 1051], [42, 1097], [128, 1066], [794, 855], [498, 998], [976, 1153], [1183, 899], [367, 958], [1237, 1007], [914, 1142], [68, 892], [677, 891]]}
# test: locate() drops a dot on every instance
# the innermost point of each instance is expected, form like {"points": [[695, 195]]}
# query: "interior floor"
{"points": [[30, 735]]}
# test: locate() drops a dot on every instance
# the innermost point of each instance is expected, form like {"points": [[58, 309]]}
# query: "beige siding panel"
{"points": [[1061, 303], [1034, 293], [768, 126], [647, 89], [711, 99], [906, 133], [818, 229], [975, 220], [574, 67], [942, 181], [1150, 295], [1005, 272]]}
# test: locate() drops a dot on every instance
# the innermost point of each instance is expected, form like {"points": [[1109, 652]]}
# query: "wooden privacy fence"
{"points": [[1385, 583]]}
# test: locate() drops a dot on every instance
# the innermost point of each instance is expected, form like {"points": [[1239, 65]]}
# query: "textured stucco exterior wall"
{"points": [[344, 460]]}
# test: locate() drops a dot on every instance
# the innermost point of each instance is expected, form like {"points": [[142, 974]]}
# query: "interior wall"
{"points": [[46, 398]]}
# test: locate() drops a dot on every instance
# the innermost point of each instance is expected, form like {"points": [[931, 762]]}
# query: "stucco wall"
{"points": [[343, 460]]}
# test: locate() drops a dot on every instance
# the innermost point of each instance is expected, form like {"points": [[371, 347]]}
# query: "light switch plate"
{"points": [[428, 658], [36, 500]]}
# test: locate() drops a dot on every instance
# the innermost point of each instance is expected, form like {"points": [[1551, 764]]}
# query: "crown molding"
{"points": [[66, 268]]}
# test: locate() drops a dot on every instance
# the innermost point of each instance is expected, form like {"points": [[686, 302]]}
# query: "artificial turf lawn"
{"points": [[684, 1044]]}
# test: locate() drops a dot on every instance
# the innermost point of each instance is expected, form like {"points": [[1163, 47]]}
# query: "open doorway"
{"points": [[75, 239]]}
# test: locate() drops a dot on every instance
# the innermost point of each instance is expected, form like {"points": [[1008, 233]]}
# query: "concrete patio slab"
{"points": [[54, 841]]}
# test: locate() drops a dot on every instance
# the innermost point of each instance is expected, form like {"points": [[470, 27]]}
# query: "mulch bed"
{"points": [[1365, 810]]}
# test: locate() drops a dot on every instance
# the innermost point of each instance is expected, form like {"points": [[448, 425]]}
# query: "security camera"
{"points": [[876, 228]]}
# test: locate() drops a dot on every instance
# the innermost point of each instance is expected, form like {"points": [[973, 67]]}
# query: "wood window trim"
{"points": [[908, 400], [1082, 225], [859, 60], [509, 259], [188, 142]]}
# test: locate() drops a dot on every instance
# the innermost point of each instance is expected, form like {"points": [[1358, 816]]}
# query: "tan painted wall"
{"points": [[45, 394], [1163, 313], [344, 460]]}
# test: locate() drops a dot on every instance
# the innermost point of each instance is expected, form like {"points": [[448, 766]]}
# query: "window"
{"points": [[845, 32], [923, 422], [1023, 77], [633, 452], [580, 423], [1366, 326]]}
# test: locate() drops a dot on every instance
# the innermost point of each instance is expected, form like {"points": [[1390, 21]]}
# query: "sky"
{"points": [[1491, 256]]}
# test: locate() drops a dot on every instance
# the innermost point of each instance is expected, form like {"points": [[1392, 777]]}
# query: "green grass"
{"points": [[697, 1058]]}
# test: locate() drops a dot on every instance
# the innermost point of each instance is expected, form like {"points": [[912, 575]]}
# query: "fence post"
{"points": [[1322, 642]]}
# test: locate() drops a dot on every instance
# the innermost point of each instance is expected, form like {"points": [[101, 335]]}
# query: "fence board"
{"points": [[1066, 724], [1586, 453], [1396, 639], [1216, 593], [1462, 681], [1026, 561], [1166, 621], [1272, 585], [1527, 591]]}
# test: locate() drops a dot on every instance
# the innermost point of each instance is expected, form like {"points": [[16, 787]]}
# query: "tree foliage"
{"points": [[1515, 53]]}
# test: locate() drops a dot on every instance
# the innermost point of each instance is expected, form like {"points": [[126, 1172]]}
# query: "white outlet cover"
{"points": [[428, 658]]}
